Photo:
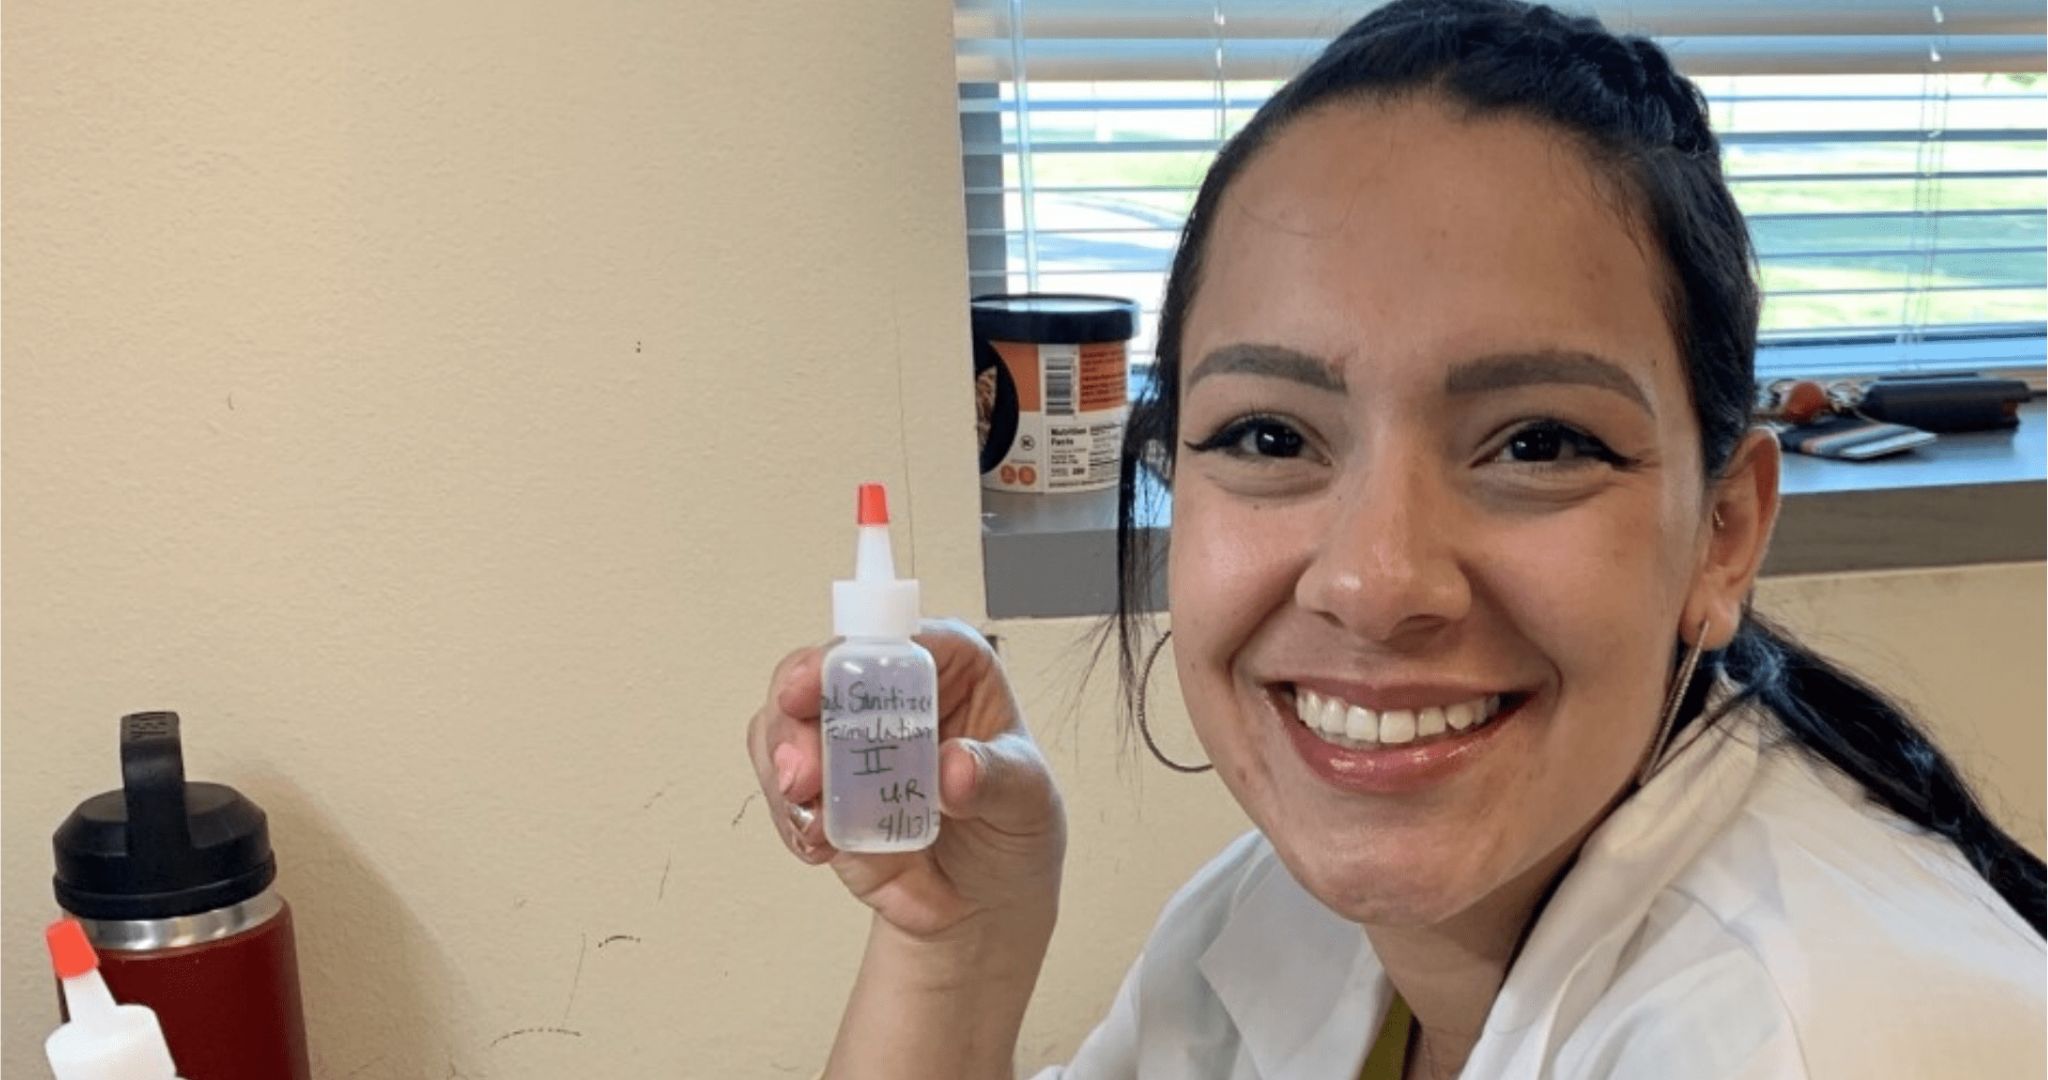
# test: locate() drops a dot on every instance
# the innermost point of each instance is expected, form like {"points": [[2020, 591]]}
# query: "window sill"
{"points": [[1965, 500]]}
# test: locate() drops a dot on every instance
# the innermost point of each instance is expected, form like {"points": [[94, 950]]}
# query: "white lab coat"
{"points": [[1747, 914]]}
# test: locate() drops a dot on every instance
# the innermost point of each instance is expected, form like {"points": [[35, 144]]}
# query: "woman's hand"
{"points": [[996, 863]]}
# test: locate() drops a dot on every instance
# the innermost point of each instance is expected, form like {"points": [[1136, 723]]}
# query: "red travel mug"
{"points": [[173, 884]]}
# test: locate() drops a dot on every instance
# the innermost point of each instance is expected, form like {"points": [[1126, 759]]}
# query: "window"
{"points": [[1892, 157]]}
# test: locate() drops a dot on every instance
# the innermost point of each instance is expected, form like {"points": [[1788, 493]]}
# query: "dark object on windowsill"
{"points": [[1849, 438], [1946, 403]]}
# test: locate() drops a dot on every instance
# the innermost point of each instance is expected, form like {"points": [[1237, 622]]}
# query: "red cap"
{"points": [[874, 505], [69, 950]]}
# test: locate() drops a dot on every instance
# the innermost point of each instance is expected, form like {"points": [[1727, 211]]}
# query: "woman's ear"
{"points": [[1742, 507]]}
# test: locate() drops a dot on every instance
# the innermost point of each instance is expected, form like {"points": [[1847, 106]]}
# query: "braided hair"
{"points": [[1644, 126]]}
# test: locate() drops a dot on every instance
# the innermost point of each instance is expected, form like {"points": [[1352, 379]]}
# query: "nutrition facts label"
{"points": [[1072, 404], [1078, 454]]}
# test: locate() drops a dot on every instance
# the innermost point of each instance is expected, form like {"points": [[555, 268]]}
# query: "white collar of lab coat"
{"points": [[1272, 965], [1276, 968]]}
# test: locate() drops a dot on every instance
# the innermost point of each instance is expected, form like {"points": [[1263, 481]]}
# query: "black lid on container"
{"points": [[1054, 318], [160, 847]]}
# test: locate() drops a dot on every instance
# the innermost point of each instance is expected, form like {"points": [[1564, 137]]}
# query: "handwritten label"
{"points": [[856, 699], [882, 759]]}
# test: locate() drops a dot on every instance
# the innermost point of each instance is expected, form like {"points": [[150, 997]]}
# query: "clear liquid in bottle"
{"points": [[881, 746]]}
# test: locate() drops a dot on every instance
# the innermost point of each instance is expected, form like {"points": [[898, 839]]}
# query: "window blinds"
{"points": [[1892, 157]]}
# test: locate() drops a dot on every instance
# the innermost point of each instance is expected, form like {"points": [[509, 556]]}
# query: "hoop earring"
{"points": [[1672, 701], [1145, 729]]}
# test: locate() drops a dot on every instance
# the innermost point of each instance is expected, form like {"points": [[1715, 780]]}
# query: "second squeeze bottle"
{"points": [[879, 711]]}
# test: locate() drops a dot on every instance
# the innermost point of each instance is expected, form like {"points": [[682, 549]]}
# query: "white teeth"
{"points": [[1333, 719], [1361, 724], [1320, 713], [1397, 726], [1348, 724]]}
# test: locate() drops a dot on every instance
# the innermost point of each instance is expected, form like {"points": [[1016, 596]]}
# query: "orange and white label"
{"points": [[1072, 401]]}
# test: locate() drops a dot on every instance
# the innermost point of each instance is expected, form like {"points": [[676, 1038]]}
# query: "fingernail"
{"points": [[785, 768], [975, 766]]}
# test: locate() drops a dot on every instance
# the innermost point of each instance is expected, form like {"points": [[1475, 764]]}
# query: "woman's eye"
{"points": [[1548, 442], [1255, 437]]}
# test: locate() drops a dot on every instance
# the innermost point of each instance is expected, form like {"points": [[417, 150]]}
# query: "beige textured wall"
{"points": [[453, 409], [454, 412], [1964, 648]]}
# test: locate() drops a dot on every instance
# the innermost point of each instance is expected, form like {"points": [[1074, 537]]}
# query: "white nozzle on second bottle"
{"points": [[879, 708], [103, 1040]]}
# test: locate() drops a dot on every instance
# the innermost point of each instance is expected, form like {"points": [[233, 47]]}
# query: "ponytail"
{"points": [[1844, 721]]}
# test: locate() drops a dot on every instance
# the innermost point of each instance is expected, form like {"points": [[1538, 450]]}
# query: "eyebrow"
{"points": [[1274, 361], [1486, 374], [1506, 371]]}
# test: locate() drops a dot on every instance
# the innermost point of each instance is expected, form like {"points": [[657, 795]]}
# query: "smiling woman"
{"points": [[1453, 389], [1467, 319], [1491, 487]]}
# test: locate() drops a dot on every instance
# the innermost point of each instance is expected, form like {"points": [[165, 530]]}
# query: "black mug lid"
{"points": [[160, 847]]}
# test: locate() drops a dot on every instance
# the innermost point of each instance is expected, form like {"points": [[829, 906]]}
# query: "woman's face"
{"points": [[1438, 460]]}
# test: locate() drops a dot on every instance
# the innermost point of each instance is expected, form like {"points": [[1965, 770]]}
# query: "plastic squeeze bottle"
{"points": [[880, 703], [103, 1040]]}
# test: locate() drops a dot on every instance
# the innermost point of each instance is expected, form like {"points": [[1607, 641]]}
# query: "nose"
{"points": [[1387, 569]]}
